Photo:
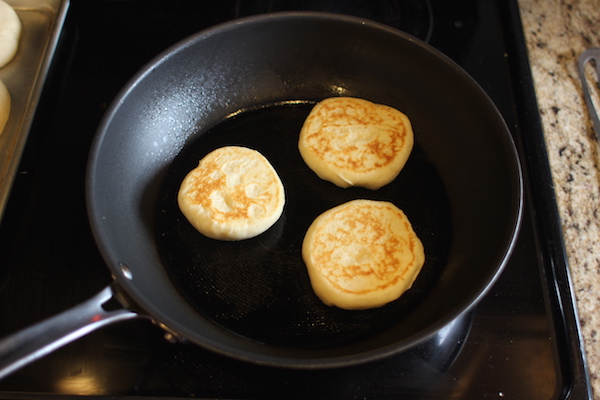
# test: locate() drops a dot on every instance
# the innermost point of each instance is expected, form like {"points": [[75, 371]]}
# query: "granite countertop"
{"points": [[557, 32]]}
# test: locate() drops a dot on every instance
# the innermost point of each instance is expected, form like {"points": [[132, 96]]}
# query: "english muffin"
{"points": [[5, 104], [10, 32], [362, 254], [233, 194], [354, 142]]}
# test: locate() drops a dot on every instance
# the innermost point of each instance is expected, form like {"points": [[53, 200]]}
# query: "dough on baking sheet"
{"points": [[362, 254], [10, 32], [233, 194], [5, 104], [354, 142]]}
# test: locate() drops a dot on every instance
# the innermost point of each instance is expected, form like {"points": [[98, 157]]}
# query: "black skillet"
{"points": [[251, 82]]}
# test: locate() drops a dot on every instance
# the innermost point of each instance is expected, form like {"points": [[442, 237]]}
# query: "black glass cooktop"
{"points": [[520, 342]]}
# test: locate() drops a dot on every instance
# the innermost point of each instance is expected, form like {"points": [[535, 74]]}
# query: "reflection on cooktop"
{"points": [[411, 16]]}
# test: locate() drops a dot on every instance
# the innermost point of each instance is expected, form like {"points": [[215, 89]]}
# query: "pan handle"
{"points": [[30, 344]]}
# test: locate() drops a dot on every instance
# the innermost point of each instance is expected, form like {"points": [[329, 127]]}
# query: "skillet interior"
{"points": [[306, 56], [259, 288]]}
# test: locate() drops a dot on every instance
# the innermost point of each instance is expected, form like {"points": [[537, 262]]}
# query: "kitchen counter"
{"points": [[557, 32]]}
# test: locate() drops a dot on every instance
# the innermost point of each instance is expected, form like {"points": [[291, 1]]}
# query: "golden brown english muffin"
{"points": [[362, 254], [5, 104], [10, 32], [354, 142], [233, 194]]}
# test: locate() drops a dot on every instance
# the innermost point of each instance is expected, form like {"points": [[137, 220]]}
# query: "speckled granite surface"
{"points": [[557, 32]]}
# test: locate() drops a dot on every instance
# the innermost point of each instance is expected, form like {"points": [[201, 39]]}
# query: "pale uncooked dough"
{"points": [[10, 32], [5, 104]]}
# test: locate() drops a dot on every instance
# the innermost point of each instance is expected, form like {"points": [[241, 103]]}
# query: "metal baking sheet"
{"points": [[24, 76]]}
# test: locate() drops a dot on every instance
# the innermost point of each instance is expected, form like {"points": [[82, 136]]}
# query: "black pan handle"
{"points": [[30, 344]]}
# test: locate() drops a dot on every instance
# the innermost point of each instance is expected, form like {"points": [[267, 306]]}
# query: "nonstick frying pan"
{"points": [[252, 82]]}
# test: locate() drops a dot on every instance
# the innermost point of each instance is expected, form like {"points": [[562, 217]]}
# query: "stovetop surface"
{"points": [[520, 341]]}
